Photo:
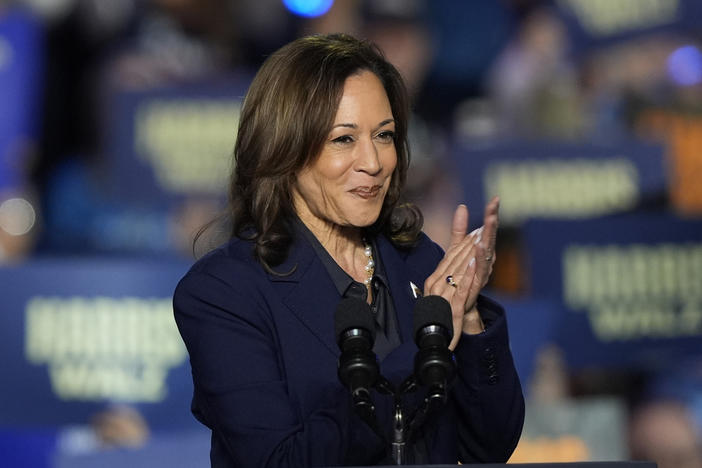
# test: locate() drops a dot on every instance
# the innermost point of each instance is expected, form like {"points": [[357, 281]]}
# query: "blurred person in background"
{"points": [[666, 422], [466, 38], [534, 83], [315, 218], [664, 431]]}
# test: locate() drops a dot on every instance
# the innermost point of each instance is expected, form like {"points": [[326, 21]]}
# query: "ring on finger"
{"points": [[449, 280]]}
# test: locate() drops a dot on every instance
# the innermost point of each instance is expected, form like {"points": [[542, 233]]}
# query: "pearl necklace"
{"points": [[370, 266]]}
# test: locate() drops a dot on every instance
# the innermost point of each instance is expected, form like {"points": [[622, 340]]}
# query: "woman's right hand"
{"points": [[468, 261]]}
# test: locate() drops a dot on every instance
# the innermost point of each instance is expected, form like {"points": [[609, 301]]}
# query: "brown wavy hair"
{"points": [[286, 116]]}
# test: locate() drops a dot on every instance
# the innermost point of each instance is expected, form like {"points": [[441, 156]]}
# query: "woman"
{"points": [[320, 162]]}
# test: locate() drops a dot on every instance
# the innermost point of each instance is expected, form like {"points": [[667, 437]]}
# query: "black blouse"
{"points": [[386, 327]]}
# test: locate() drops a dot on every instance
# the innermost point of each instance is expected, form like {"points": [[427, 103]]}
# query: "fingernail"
{"points": [[471, 262]]}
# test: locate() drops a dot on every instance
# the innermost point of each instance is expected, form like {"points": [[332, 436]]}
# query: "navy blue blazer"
{"points": [[264, 364]]}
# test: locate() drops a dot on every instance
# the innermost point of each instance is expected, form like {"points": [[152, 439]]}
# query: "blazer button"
{"points": [[488, 354]]}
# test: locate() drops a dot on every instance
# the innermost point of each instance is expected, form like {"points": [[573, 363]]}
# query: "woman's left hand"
{"points": [[468, 262]]}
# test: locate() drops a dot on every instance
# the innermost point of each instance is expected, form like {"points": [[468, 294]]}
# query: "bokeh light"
{"points": [[308, 8], [17, 216], [685, 66]]}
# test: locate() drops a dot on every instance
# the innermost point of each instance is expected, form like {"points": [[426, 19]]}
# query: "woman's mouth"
{"points": [[367, 192]]}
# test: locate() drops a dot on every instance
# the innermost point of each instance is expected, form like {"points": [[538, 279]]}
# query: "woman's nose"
{"points": [[367, 158]]}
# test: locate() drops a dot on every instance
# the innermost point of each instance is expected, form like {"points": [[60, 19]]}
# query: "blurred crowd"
{"points": [[478, 71]]}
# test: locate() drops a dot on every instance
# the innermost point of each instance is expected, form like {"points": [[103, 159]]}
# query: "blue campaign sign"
{"points": [[559, 180], [172, 142], [630, 287], [532, 327], [79, 335], [596, 23], [21, 69]]}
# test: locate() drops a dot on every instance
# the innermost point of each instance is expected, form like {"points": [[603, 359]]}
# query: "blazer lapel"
{"points": [[311, 296], [400, 279], [309, 292]]}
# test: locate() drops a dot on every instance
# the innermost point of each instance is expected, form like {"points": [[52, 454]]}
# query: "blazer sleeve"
{"points": [[240, 386], [487, 392]]}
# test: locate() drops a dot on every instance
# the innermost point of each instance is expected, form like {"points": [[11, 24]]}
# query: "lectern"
{"points": [[612, 464]]}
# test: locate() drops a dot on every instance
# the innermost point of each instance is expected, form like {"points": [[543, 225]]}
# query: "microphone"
{"points": [[358, 370], [355, 331], [434, 366]]}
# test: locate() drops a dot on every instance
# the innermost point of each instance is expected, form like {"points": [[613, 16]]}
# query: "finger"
{"points": [[458, 303], [454, 263], [459, 225], [477, 234], [464, 285], [445, 266], [490, 224], [483, 269], [459, 242], [461, 270]]}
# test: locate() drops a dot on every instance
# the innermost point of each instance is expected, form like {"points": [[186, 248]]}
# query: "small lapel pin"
{"points": [[416, 292]]}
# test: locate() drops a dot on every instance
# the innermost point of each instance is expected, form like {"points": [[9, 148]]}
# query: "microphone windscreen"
{"points": [[432, 310], [353, 313]]}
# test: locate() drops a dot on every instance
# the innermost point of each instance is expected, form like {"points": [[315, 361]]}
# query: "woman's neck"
{"points": [[344, 244], [341, 241]]}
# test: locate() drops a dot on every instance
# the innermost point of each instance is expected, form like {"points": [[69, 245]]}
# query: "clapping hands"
{"points": [[465, 269]]}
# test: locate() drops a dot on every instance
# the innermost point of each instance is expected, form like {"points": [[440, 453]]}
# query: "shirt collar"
{"points": [[343, 281]]}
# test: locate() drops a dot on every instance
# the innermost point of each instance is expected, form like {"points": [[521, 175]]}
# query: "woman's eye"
{"points": [[387, 135], [343, 139]]}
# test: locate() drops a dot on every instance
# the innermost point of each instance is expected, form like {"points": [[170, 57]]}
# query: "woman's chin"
{"points": [[364, 220]]}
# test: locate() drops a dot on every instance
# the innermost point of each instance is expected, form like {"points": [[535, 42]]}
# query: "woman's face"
{"points": [[347, 183]]}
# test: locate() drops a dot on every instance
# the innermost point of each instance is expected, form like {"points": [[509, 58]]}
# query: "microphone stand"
{"points": [[403, 429], [430, 406], [400, 426], [363, 404], [399, 438]]}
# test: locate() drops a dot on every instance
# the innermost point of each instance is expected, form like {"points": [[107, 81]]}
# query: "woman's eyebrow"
{"points": [[353, 125], [349, 125], [384, 123]]}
